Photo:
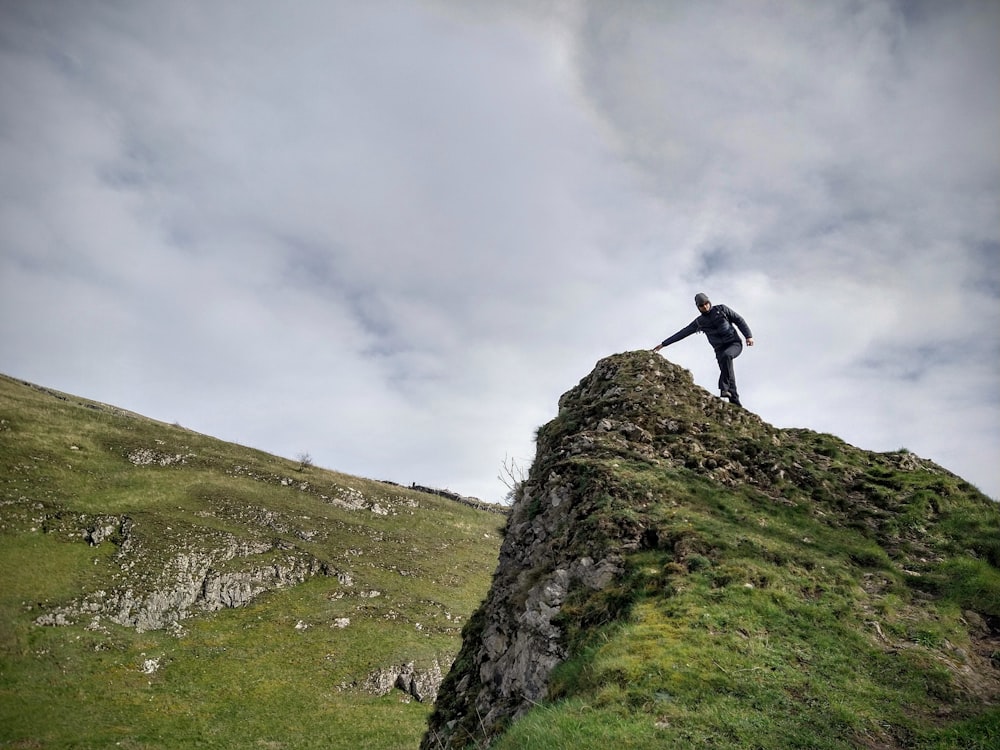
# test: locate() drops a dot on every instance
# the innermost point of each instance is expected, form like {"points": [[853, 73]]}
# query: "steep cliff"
{"points": [[664, 544]]}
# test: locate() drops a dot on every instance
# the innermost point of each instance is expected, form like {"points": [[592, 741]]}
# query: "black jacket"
{"points": [[717, 324]]}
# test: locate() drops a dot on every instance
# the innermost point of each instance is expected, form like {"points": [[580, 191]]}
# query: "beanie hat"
{"points": [[700, 299]]}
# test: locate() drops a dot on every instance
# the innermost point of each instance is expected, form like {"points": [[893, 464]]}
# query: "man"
{"points": [[719, 323]]}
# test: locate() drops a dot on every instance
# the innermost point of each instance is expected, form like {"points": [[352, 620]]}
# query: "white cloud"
{"points": [[392, 234]]}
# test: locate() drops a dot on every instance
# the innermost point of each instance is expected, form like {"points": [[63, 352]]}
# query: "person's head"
{"points": [[702, 302]]}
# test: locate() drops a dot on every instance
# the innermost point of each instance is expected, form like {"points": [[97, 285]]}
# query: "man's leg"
{"points": [[727, 374]]}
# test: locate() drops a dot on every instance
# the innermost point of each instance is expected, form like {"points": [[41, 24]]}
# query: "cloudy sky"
{"points": [[391, 234]]}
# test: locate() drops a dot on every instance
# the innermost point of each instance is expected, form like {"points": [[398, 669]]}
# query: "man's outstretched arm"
{"points": [[681, 334]]}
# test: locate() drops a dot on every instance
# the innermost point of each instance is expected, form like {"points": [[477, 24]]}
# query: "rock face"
{"points": [[193, 581], [572, 525], [165, 578], [421, 683], [555, 542]]}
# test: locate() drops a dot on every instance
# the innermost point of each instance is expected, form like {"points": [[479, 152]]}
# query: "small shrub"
{"points": [[698, 562]]}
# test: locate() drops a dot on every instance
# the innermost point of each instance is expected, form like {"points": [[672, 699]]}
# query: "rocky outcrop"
{"points": [[555, 545], [633, 429], [164, 578], [420, 683], [193, 581]]}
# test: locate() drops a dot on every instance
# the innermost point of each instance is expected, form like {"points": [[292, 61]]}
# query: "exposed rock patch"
{"points": [[419, 683], [165, 579], [152, 457]]}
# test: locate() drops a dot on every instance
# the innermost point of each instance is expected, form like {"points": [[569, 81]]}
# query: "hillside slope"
{"points": [[678, 573], [163, 589]]}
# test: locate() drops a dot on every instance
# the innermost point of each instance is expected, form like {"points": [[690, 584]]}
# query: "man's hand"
{"points": [[657, 347], [750, 341]]}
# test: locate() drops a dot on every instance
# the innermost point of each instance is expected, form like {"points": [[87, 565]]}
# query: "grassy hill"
{"points": [[162, 589], [677, 573]]}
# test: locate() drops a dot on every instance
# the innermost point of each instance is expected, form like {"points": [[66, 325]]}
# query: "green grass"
{"points": [[782, 589], [738, 653], [753, 625], [276, 673], [233, 680]]}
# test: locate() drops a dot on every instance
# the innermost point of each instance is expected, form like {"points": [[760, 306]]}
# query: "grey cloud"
{"points": [[392, 234]]}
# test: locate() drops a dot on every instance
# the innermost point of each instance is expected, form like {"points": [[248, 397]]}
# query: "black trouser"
{"points": [[727, 375]]}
